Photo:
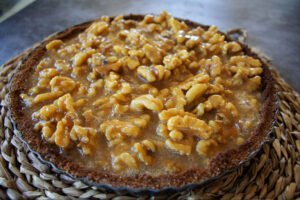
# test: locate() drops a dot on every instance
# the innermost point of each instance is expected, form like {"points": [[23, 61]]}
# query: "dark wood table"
{"points": [[273, 25]]}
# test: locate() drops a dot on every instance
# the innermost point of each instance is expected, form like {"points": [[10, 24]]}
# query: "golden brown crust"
{"points": [[220, 164]]}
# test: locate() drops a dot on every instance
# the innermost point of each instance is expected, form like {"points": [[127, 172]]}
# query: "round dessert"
{"points": [[143, 101]]}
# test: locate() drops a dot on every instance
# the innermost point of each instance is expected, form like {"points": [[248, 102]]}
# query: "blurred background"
{"points": [[273, 26]]}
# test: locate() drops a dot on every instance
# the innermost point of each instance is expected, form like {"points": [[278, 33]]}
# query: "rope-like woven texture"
{"points": [[275, 173]]}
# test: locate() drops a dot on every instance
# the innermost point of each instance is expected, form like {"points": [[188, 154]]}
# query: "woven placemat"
{"points": [[274, 173]]}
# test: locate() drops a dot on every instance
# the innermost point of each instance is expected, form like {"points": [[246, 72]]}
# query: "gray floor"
{"points": [[273, 25]]}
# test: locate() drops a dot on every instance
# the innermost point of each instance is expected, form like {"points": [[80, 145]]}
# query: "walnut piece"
{"points": [[182, 149], [146, 101], [196, 126]]}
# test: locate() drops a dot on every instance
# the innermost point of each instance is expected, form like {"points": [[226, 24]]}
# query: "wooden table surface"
{"points": [[273, 25]]}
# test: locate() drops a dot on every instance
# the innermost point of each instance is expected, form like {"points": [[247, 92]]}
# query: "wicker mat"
{"points": [[274, 173]]}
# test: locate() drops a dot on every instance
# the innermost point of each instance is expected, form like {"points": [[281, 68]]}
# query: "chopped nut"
{"points": [[161, 73], [63, 84], [176, 25], [62, 138], [142, 121], [213, 102], [47, 112], [100, 101], [65, 103], [203, 147], [254, 83], [231, 47], [54, 44], [179, 148], [162, 130], [255, 71], [79, 71], [199, 78], [195, 91], [193, 42], [167, 114], [80, 103], [146, 73], [112, 128], [121, 109], [132, 63], [86, 138], [96, 59], [212, 30], [213, 65], [47, 133], [127, 159], [172, 167], [46, 96], [112, 81], [48, 73], [88, 115], [98, 28], [146, 101], [231, 109], [198, 127], [178, 99], [176, 135], [243, 60], [171, 62], [149, 145], [153, 53], [215, 125], [154, 73], [143, 151], [82, 57]]}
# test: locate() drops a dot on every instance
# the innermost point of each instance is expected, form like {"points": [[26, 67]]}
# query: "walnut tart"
{"points": [[143, 103]]}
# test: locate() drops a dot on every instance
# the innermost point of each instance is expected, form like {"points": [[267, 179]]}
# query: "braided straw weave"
{"points": [[274, 173]]}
